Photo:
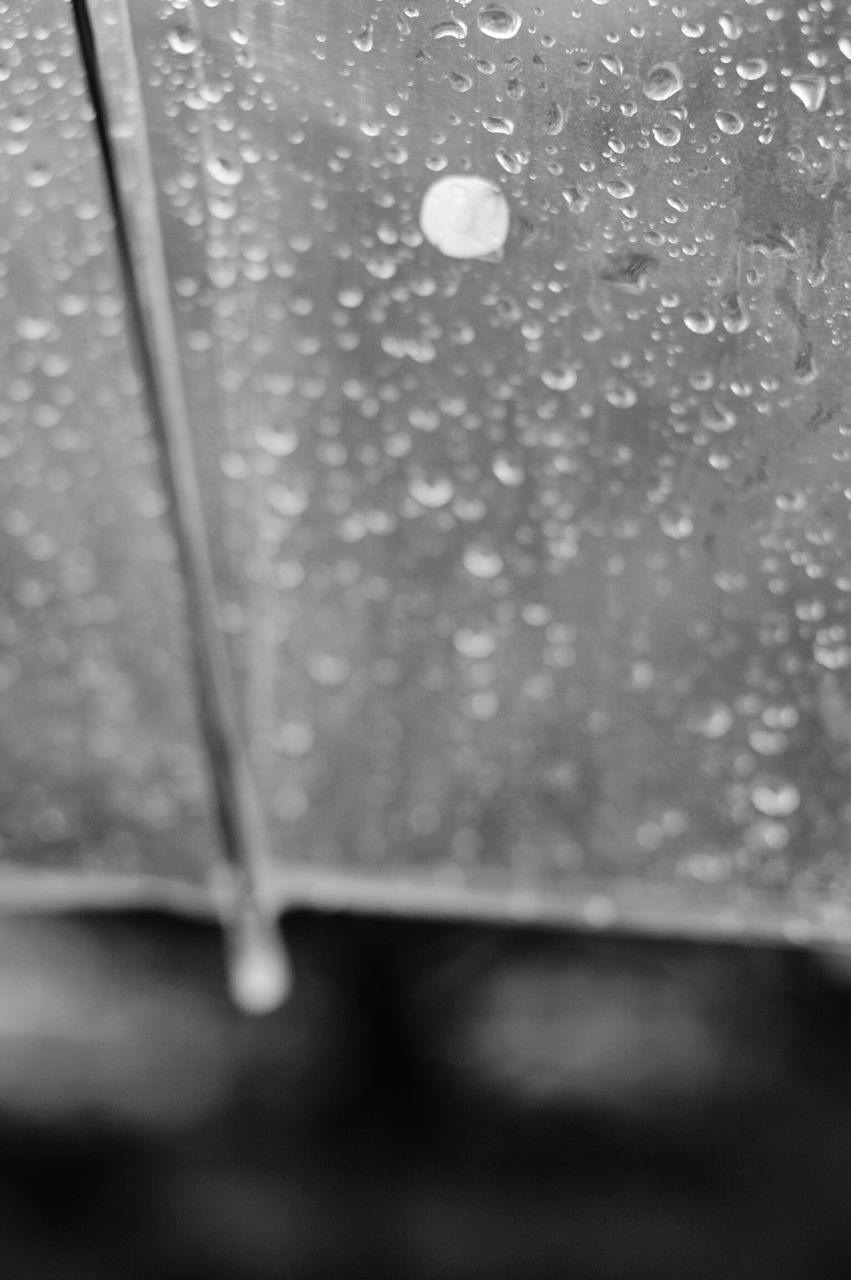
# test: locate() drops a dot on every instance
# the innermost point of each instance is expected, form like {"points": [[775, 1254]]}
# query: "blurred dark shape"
{"points": [[434, 1101]]}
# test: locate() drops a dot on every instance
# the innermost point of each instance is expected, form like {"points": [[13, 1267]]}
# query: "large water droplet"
{"points": [[729, 121], [810, 90], [465, 216], [663, 82], [498, 21]]}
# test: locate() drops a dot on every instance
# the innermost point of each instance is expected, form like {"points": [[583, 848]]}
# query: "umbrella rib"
{"points": [[104, 36]]}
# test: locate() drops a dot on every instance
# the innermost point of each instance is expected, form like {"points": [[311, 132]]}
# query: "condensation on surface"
{"points": [[534, 570], [100, 767]]}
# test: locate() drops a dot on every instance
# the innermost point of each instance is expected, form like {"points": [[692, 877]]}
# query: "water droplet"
{"points": [[512, 161], [699, 320], [751, 68], [465, 216], [280, 443], [575, 199], [729, 121], [258, 970], [224, 171], [663, 82], [612, 63], [33, 328], [810, 90], [844, 43], [498, 124], [475, 643], [731, 26], [431, 491], [667, 135], [775, 797], [561, 378], [553, 119], [620, 189], [365, 39], [450, 29], [508, 470], [482, 560], [711, 721], [183, 39], [498, 21]]}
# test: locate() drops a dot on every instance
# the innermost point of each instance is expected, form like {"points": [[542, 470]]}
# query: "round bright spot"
{"points": [[465, 217]]}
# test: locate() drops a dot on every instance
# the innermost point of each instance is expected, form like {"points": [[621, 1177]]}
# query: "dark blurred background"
{"points": [[434, 1101]]}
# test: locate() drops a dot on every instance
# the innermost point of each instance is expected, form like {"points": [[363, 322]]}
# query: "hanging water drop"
{"points": [[258, 970]]}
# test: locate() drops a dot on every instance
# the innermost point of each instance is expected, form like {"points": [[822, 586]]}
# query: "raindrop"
{"points": [[717, 418], [699, 320], [663, 82], [498, 124], [465, 216], [729, 121], [612, 63], [774, 797], [667, 135], [258, 970], [710, 722], [33, 328], [451, 29], [751, 68], [620, 189], [512, 161], [498, 21], [553, 119], [845, 46], [482, 560], [731, 26], [561, 378], [226, 172], [431, 491], [364, 40], [183, 39], [476, 644], [810, 90], [508, 471], [278, 443], [575, 199]]}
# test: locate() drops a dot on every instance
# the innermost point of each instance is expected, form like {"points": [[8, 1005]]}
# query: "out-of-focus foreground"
{"points": [[434, 1101]]}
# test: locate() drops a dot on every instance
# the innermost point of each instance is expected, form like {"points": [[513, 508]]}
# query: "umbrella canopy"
{"points": [[500, 396]]}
